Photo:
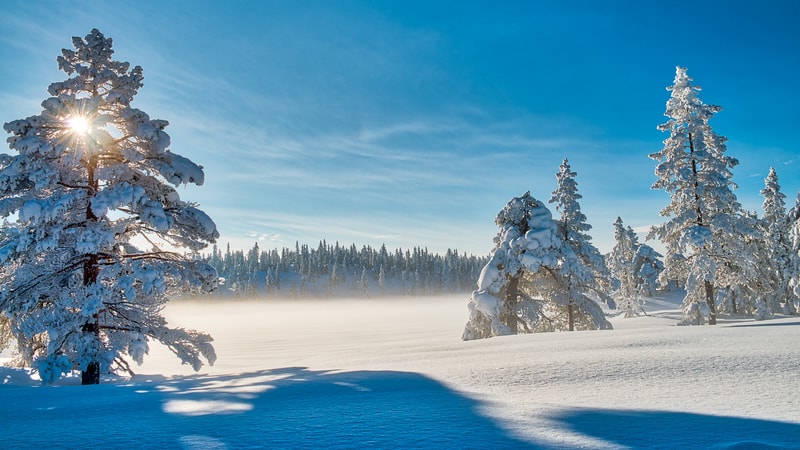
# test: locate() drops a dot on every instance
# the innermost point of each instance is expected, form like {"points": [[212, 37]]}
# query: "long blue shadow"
{"points": [[300, 408], [677, 430], [285, 408]]}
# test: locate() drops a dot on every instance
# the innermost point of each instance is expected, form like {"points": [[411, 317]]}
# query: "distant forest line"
{"points": [[335, 270]]}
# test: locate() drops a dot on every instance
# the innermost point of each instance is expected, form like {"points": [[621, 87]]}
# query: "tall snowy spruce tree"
{"points": [[96, 237], [583, 268], [523, 287], [706, 234], [793, 217], [776, 252]]}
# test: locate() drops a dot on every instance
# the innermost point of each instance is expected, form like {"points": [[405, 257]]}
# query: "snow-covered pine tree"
{"points": [[775, 255], [99, 237], [793, 217], [706, 231], [648, 267], [382, 278], [583, 266], [621, 263], [744, 281], [524, 286], [363, 283], [635, 266], [527, 242]]}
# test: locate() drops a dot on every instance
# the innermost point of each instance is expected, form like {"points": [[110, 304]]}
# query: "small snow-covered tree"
{"points": [[270, 282], [363, 283], [776, 246], [583, 266], [99, 237], [336, 278], [525, 280], [621, 263], [793, 217], [382, 278], [527, 241], [636, 266], [648, 266], [705, 233], [743, 280]]}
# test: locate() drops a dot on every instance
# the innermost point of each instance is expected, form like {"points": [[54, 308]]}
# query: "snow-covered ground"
{"points": [[394, 373]]}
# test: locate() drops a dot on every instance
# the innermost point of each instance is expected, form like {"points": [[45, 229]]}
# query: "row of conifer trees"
{"points": [[327, 269], [544, 273]]}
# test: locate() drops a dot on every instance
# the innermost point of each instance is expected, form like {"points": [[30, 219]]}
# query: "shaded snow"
{"points": [[394, 373]]}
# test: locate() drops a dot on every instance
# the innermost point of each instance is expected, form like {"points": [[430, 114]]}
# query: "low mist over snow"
{"points": [[394, 373]]}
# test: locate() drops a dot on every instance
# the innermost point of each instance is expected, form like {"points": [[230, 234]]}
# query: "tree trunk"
{"points": [[508, 314], [91, 269], [712, 307], [697, 210], [91, 375]]}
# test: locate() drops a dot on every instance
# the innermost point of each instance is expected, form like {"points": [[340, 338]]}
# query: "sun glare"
{"points": [[78, 124]]}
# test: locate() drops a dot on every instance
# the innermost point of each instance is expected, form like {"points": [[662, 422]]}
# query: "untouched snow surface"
{"points": [[394, 373]]}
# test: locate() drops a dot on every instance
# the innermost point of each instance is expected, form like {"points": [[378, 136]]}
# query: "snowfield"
{"points": [[394, 373]]}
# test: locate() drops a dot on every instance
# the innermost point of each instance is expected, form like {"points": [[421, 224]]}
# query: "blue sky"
{"points": [[412, 123]]}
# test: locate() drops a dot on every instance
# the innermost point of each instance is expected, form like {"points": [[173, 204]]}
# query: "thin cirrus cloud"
{"points": [[342, 187]]}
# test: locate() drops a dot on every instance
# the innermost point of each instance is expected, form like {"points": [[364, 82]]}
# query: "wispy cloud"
{"points": [[372, 122], [415, 178]]}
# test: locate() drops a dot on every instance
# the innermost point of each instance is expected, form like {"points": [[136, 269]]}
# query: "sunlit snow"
{"points": [[389, 373]]}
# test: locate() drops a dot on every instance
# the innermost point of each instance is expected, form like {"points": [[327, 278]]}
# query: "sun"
{"points": [[78, 124]]}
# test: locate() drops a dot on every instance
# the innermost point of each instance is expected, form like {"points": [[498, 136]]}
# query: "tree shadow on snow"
{"points": [[284, 408], [663, 429]]}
